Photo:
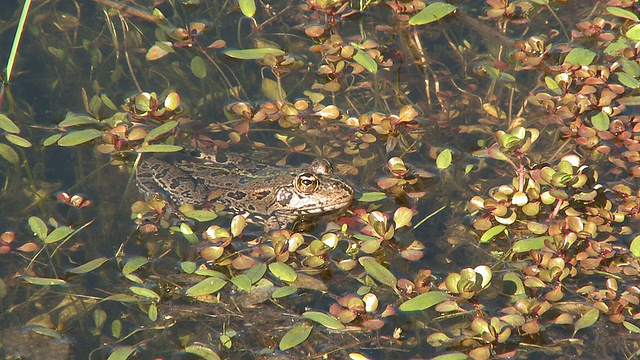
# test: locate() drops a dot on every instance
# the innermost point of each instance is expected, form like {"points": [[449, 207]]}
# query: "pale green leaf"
{"points": [[51, 139], [156, 133], [198, 67], [159, 148], [43, 281], [601, 121], [423, 301], [202, 351], [635, 246], [134, 264], [433, 12], [283, 272], [362, 58], [79, 137], [144, 292], [631, 327], [58, 234], [253, 54], [7, 153], [18, 140], [580, 56], [622, 13], [38, 227], [628, 80], [633, 33], [122, 353], [443, 161], [372, 196], [534, 243], [491, 233], [248, 7], [8, 125], [243, 282], [588, 319], [284, 292], [89, 266], [323, 319], [294, 337], [512, 284], [205, 287], [378, 272]]}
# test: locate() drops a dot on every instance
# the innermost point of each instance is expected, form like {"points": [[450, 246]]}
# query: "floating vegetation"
{"points": [[493, 149]]}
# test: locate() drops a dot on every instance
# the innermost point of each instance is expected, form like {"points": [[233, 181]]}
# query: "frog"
{"points": [[268, 195]]}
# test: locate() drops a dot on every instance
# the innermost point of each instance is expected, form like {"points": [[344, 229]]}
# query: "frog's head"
{"points": [[314, 191]]}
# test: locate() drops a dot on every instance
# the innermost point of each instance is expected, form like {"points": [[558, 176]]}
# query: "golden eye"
{"points": [[306, 183]]}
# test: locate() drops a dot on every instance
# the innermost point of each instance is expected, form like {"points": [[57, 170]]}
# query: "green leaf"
{"points": [[580, 56], [51, 139], [271, 89], [122, 353], [283, 272], [253, 54], [46, 332], [72, 119], [188, 267], [248, 7], [588, 319], [156, 133], [628, 80], [256, 272], [512, 284], [402, 217], [202, 351], [372, 196], [89, 266], [378, 272], [323, 319], [9, 154], [205, 287], [451, 356], [198, 67], [284, 292], [552, 85], [633, 33], [601, 121], [144, 292], [159, 148], [631, 327], [622, 13], [294, 337], [362, 58], [58, 234], [243, 282], [444, 159], [8, 125], [18, 140], [635, 246], [43, 281], [535, 243], [134, 264], [433, 12], [79, 137], [423, 301], [108, 102], [491, 233], [38, 227]]}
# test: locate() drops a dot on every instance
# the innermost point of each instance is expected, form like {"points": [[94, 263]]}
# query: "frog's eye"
{"points": [[306, 183]]}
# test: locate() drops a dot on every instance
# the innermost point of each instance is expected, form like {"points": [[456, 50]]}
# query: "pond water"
{"points": [[493, 148]]}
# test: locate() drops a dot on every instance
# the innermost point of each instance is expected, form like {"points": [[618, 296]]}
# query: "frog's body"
{"points": [[272, 195]]}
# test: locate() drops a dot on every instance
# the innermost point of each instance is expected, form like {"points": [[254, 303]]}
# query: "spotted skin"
{"points": [[273, 196]]}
